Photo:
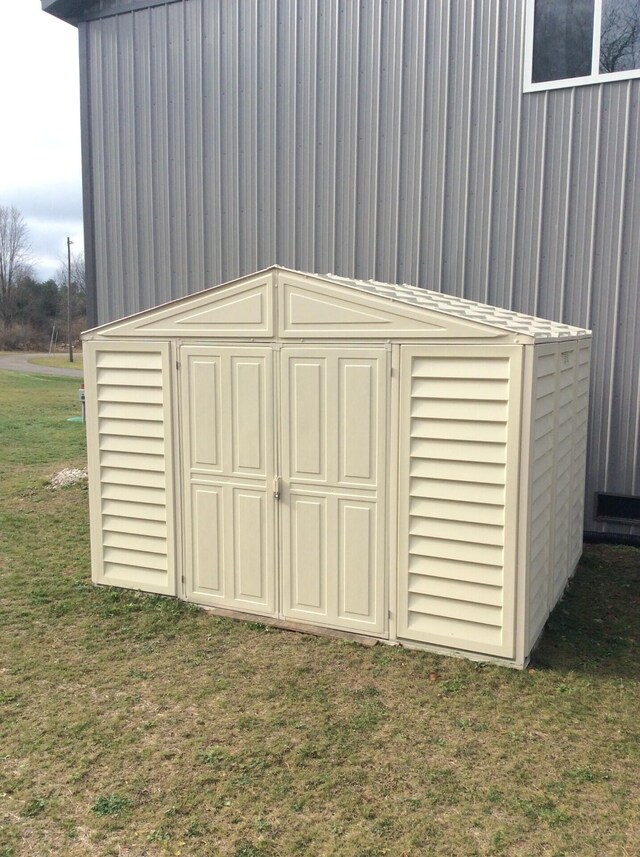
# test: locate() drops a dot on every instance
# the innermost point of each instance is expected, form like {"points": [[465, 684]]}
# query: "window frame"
{"points": [[594, 77]]}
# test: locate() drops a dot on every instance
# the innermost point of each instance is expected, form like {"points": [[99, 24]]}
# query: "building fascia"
{"points": [[77, 11]]}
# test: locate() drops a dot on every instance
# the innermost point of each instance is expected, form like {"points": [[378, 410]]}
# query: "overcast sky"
{"points": [[40, 169]]}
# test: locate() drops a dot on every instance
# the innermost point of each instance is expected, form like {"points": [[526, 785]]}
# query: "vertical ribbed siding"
{"points": [[130, 466], [387, 140], [457, 572]]}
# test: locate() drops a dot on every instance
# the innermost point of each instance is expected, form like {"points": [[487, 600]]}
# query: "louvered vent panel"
{"points": [[133, 460], [457, 477]]}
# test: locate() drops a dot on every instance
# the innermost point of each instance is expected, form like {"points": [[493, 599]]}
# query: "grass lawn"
{"points": [[60, 361], [135, 725]]}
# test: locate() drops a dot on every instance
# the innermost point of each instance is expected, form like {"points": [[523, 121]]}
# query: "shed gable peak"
{"points": [[294, 305]]}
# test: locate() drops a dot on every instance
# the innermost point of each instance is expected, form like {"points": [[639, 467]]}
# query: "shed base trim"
{"points": [[288, 625], [478, 657]]}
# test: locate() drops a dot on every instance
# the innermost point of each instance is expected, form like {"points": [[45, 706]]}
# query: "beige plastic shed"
{"points": [[371, 458]]}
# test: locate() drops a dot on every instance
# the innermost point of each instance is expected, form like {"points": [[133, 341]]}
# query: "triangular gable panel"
{"points": [[242, 308], [311, 306]]}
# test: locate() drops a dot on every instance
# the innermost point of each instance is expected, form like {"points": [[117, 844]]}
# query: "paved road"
{"points": [[19, 362]]}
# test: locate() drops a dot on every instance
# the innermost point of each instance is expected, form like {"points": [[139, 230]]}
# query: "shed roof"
{"points": [[312, 305], [514, 322]]}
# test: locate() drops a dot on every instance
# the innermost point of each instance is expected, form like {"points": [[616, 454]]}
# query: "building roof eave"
{"points": [[67, 10], [78, 11]]}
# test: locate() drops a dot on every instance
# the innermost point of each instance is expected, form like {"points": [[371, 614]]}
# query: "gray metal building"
{"points": [[401, 140]]}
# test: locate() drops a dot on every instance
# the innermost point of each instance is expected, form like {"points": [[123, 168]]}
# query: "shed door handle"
{"points": [[276, 487]]}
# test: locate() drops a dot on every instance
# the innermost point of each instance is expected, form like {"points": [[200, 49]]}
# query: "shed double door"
{"points": [[284, 482]]}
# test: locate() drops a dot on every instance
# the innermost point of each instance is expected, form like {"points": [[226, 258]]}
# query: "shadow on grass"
{"points": [[595, 628]]}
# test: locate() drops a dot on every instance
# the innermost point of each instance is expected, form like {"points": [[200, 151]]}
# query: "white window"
{"points": [[572, 42]]}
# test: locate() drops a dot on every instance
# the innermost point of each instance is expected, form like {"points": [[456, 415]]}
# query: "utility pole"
{"points": [[69, 243]]}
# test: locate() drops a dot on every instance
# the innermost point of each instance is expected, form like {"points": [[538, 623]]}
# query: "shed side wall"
{"points": [[541, 492], [557, 473], [562, 509], [130, 465], [578, 472]]}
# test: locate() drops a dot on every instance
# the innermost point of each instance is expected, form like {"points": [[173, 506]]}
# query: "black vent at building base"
{"points": [[620, 507]]}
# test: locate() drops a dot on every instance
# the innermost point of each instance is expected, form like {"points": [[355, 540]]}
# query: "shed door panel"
{"points": [[333, 465], [227, 398]]}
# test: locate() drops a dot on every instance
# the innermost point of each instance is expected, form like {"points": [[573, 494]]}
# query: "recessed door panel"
{"points": [[358, 420], [247, 397], [307, 451], [204, 427], [357, 560], [308, 516], [249, 531], [206, 532]]}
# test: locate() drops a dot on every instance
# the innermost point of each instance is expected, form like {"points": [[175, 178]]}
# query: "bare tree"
{"points": [[15, 257], [620, 36], [563, 38], [78, 282], [77, 274]]}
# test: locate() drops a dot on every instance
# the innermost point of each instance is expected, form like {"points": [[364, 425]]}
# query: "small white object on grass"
{"points": [[69, 476]]}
